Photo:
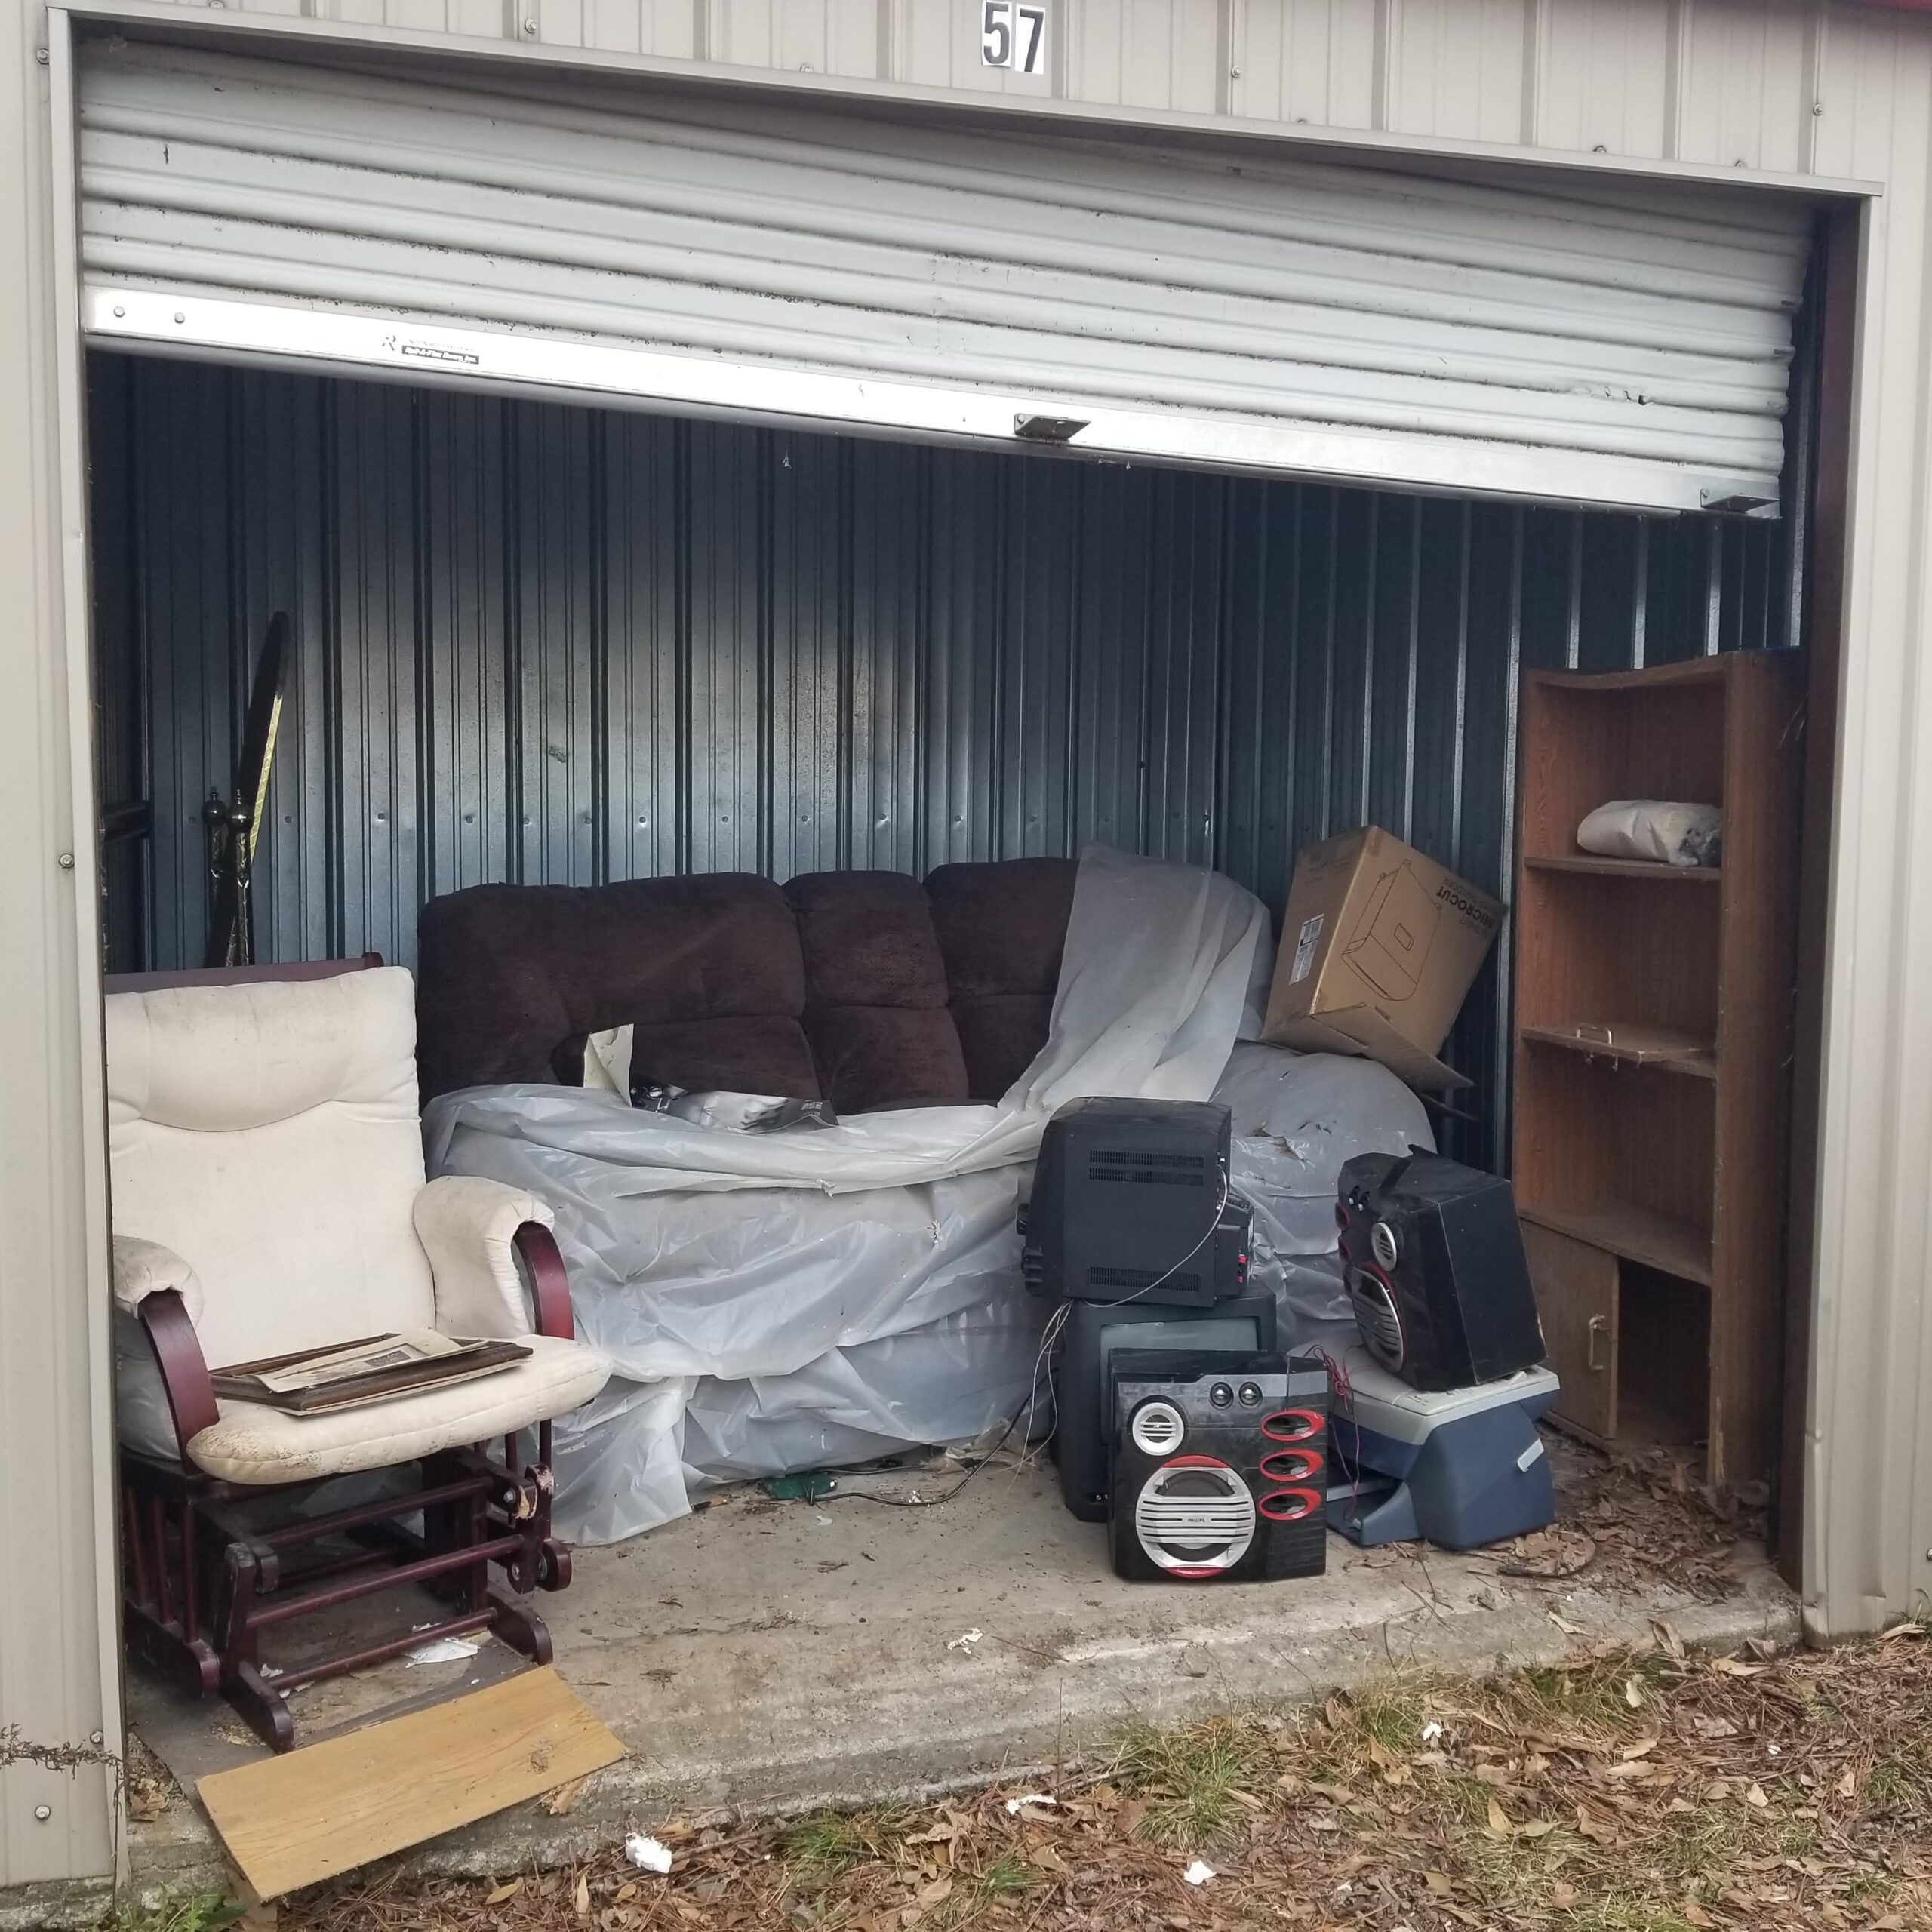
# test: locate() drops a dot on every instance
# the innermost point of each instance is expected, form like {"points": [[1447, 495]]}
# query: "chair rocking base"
{"points": [[204, 1579]]}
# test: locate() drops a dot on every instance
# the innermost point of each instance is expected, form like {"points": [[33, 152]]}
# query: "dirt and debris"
{"points": [[1620, 1792], [1635, 1519], [151, 1788]]}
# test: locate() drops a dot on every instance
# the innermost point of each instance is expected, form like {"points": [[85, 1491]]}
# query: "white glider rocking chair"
{"points": [[268, 1198]]}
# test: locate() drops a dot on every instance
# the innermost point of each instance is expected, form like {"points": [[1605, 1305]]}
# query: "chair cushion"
{"points": [[252, 1444], [268, 1133]]}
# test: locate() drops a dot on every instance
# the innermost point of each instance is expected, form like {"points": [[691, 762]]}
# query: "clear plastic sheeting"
{"points": [[801, 1329], [782, 1301], [1296, 1118]]}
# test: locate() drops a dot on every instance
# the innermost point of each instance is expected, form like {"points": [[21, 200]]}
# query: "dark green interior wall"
{"points": [[545, 643]]}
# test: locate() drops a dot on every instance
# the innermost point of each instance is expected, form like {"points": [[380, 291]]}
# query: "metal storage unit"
{"points": [[1834, 97]]}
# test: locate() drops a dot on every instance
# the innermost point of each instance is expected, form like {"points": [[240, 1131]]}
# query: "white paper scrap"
{"points": [[1014, 1806], [964, 1640], [444, 1650], [647, 1853], [1199, 1873]]}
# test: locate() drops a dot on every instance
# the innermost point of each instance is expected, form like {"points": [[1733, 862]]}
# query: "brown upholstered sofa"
{"points": [[865, 989]]}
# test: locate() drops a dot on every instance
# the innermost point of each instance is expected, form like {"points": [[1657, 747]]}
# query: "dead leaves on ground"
{"points": [[1637, 1520], [1666, 1790]]}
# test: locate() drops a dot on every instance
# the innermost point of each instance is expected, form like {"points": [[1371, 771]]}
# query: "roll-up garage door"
{"points": [[916, 274]]}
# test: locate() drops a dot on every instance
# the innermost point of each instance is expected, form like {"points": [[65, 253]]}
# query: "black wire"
{"points": [[1012, 1421], [932, 1502]]}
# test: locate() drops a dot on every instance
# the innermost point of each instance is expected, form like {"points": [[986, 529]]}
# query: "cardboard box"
{"points": [[1379, 948]]}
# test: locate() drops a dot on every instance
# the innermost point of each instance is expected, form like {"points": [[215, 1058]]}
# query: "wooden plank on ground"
{"points": [[294, 1820]]}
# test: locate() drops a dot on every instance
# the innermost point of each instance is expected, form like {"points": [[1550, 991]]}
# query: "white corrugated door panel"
{"points": [[926, 278]]}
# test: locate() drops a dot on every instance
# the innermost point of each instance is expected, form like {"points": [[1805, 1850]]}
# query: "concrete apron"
{"points": [[763, 1658]]}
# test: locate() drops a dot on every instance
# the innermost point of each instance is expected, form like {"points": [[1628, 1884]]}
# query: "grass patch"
{"points": [[1392, 1718], [828, 1843], [1703, 1844], [1900, 1779], [1594, 1698], [1623, 1912], [1868, 1884], [1006, 1878], [1470, 1797], [200, 1911], [1189, 1777]]}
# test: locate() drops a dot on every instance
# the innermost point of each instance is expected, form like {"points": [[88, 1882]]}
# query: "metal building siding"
{"points": [[555, 645], [1731, 82], [60, 1685], [1868, 1516]]}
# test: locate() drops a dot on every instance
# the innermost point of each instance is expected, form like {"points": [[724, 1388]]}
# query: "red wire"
{"points": [[1342, 1395]]}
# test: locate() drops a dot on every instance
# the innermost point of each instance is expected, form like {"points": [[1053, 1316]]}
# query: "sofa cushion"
{"points": [[1000, 1033], [513, 976], [870, 1057], [876, 993], [760, 1054], [1001, 927], [1001, 923], [867, 939]]}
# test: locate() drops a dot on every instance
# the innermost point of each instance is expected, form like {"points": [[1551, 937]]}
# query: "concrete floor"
{"points": [[766, 1657]]}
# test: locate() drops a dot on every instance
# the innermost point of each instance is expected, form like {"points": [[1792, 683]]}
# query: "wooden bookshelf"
{"points": [[1588, 863], [1653, 1016], [1635, 1043]]}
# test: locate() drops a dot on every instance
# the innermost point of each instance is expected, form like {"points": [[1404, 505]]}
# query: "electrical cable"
{"points": [[1050, 1335], [1213, 1225]]}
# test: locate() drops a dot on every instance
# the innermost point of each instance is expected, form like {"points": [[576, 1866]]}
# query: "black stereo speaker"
{"points": [[1131, 1197], [1244, 1325], [1435, 1270], [1220, 1471]]}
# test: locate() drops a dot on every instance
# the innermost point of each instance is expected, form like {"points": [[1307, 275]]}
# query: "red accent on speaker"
{"points": [[1303, 1465], [1303, 1425], [1302, 1502]]}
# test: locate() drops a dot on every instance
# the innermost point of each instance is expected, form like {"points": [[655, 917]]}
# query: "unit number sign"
{"points": [[1012, 35]]}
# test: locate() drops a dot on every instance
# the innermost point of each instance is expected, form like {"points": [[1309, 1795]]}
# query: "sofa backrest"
{"points": [[1001, 927], [267, 1132], [846, 987], [706, 968]]}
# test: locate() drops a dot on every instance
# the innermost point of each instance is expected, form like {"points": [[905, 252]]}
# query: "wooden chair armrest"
{"points": [[184, 1374], [549, 1285]]}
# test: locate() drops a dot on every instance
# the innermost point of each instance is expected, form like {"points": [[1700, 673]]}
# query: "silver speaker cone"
{"points": [[1380, 1324], [1195, 1517], [1382, 1245], [1157, 1428]]}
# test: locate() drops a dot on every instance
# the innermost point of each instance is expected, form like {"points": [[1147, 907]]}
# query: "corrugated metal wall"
{"points": [[545, 643]]}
